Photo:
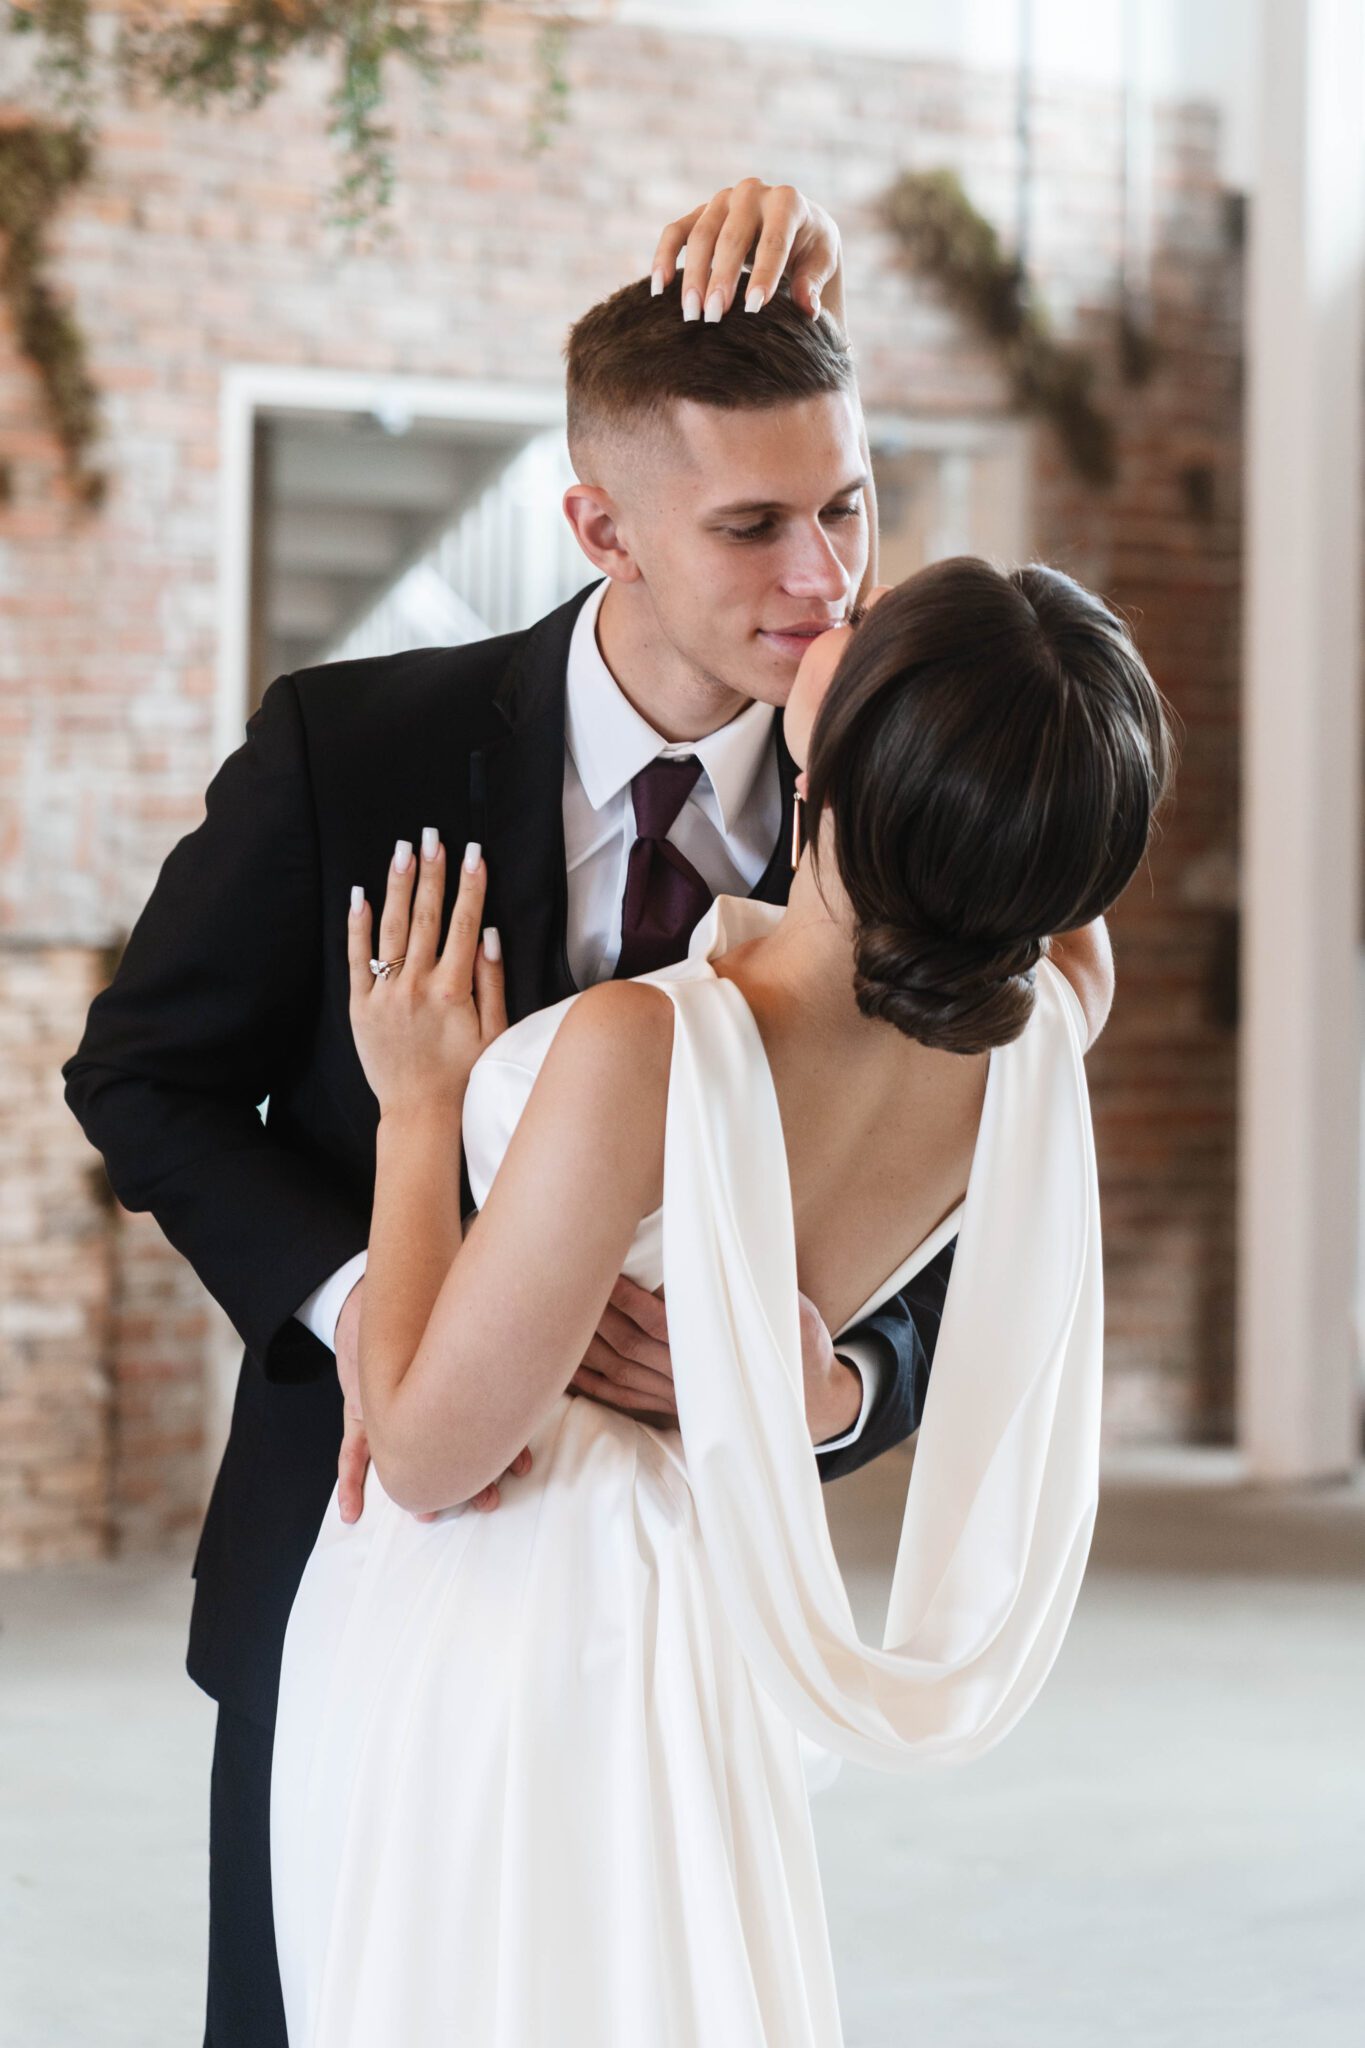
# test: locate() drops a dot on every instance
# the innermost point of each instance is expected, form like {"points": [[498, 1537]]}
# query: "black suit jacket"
{"points": [[233, 988]]}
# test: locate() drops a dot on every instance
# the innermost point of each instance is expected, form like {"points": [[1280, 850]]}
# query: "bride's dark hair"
{"points": [[993, 751]]}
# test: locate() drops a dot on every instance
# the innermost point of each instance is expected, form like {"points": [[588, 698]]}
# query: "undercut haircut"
{"points": [[633, 357]]}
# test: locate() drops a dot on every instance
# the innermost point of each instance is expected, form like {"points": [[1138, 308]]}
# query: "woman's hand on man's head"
{"points": [[775, 229]]}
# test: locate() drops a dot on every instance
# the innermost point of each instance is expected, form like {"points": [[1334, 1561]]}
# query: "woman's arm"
{"points": [[519, 1301], [466, 1344], [834, 306], [1086, 958]]}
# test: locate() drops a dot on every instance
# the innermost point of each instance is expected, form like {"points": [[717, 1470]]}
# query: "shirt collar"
{"points": [[611, 742]]}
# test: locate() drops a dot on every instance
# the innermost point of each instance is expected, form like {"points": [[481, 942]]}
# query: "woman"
{"points": [[538, 1776]]}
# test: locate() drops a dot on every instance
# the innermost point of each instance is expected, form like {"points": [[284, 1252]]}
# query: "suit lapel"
{"points": [[774, 884], [519, 782]]}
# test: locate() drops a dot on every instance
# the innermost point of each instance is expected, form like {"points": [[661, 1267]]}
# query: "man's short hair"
{"points": [[633, 356]]}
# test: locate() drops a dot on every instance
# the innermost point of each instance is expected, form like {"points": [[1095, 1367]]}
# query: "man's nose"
{"points": [[813, 569]]}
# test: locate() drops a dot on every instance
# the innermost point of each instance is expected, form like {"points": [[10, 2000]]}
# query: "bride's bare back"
{"points": [[879, 1133]]}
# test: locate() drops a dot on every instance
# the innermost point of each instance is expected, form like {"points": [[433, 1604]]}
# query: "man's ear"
{"points": [[591, 512]]}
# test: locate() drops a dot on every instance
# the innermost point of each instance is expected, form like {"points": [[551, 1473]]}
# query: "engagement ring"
{"points": [[382, 969]]}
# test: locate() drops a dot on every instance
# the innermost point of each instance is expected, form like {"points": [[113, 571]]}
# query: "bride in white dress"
{"points": [[540, 1777]]}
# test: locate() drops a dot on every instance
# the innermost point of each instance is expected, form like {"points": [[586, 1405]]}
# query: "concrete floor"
{"points": [[1169, 1850]]}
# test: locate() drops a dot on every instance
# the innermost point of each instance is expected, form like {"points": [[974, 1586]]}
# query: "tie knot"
{"points": [[659, 793]]}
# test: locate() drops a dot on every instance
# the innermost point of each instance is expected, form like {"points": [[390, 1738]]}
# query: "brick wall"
{"points": [[57, 1275], [104, 1330], [159, 1358], [1165, 545], [200, 246]]}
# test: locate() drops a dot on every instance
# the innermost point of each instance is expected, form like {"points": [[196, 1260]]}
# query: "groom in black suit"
{"points": [[233, 987]]}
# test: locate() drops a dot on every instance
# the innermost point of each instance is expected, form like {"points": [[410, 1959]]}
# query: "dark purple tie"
{"points": [[665, 896]]}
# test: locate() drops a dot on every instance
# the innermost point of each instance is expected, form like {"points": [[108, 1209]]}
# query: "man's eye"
{"points": [[765, 526]]}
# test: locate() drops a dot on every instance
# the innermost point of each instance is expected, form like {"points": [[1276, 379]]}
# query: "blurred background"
{"points": [[283, 291]]}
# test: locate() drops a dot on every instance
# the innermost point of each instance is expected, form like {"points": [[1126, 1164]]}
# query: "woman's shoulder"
{"points": [[603, 1091], [623, 1028], [625, 1023], [595, 1070], [606, 1074]]}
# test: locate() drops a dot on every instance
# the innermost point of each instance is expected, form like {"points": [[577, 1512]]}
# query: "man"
{"points": [[619, 763]]}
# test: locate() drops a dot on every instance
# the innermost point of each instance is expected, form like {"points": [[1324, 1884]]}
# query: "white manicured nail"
{"points": [[753, 299], [471, 856], [492, 944], [656, 283], [431, 842], [357, 900], [692, 305], [402, 856], [715, 306]]}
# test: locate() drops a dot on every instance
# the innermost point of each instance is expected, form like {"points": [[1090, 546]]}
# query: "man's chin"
{"points": [[765, 683], [771, 668]]}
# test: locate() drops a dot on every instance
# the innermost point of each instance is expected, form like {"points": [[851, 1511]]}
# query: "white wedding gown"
{"points": [[538, 1775]]}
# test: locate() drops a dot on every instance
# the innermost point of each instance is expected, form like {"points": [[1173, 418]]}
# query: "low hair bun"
{"points": [[984, 768], [951, 995]]}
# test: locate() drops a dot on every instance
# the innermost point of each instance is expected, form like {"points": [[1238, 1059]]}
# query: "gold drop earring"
{"points": [[798, 835]]}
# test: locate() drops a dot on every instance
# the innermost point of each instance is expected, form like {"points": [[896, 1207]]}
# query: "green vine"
{"points": [[551, 106], [231, 56], [234, 56], [39, 165], [944, 236], [64, 58]]}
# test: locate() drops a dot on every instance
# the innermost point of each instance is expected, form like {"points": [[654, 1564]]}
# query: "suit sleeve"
{"points": [[904, 1332], [215, 994]]}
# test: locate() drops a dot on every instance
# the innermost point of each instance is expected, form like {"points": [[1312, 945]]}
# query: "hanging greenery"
{"points": [[39, 165], [945, 236], [1138, 350], [230, 56], [64, 51]]}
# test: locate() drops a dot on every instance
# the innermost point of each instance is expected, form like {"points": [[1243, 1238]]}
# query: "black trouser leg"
{"points": [[245, 2009]]}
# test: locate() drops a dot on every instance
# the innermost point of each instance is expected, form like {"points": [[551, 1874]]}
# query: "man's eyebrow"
{"points": [[749, 505]]}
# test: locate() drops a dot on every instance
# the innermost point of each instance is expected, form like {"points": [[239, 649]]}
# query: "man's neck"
{"points": [[678, 700]]}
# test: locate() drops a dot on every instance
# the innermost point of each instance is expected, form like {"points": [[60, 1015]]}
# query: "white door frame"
{"points": [[252, 388], [1298, 1389]]}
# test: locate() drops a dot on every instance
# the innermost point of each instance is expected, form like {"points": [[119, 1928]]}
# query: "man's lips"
{"points": [[796, 639]]}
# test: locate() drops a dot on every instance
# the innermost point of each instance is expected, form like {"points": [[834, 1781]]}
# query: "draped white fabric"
{"points": [[1004, 1488], [538, 1775]]}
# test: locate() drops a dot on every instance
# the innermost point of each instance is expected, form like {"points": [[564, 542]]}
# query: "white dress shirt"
{"points": [[727, 828]]}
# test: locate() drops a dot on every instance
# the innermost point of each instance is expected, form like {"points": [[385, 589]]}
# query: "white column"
{"points": [[1299, 1169]]}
